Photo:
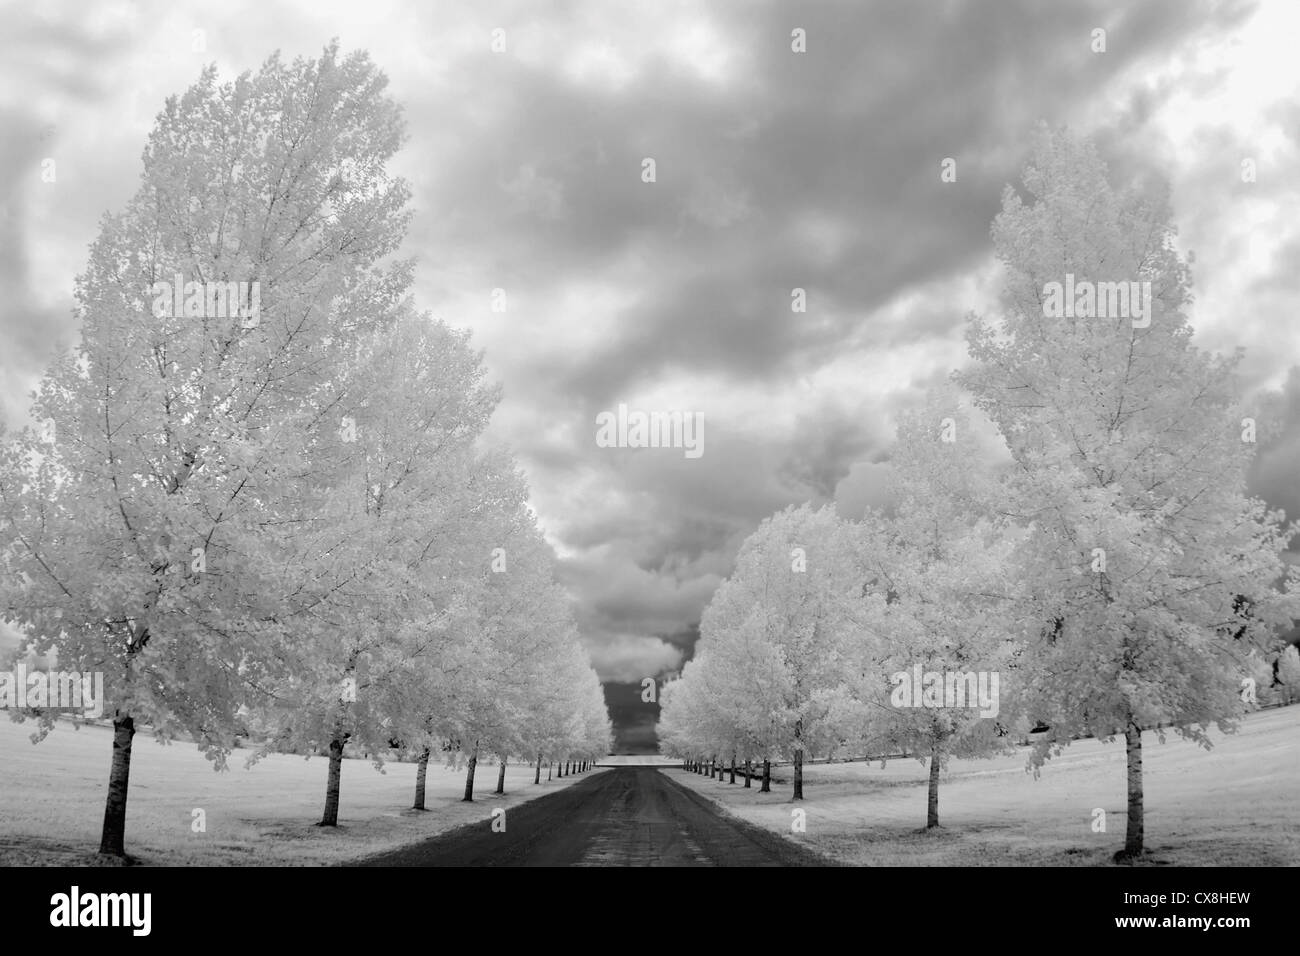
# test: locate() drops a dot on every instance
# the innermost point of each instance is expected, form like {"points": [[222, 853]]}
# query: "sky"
{"points": [[774, 170]]}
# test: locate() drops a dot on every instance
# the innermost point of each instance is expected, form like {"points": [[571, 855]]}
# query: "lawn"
{"points": [[52, 803], [1237, 804]]}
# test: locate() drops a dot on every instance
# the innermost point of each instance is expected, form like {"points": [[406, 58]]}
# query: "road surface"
{"points": [[626, 816]]}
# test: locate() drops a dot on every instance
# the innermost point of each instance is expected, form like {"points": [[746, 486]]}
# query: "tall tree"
{"points": [[142, 518], [1129, 470]]}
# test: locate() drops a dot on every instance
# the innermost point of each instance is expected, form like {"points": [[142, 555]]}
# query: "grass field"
{"points": [[52, 803], [1238, 804]]}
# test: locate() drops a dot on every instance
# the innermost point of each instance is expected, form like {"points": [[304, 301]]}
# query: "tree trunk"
{"points": [[932, 803], [798, 759], [733, 771], [537, 777], [1133, 839], [501, 777], [749, 773], [469, 776], [767, 777], [331, 816], [112, 839], [421, 772], [550, 768]]}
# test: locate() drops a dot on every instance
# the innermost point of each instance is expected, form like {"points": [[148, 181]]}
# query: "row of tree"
{"points": [[1106, 562], [284, 526]]}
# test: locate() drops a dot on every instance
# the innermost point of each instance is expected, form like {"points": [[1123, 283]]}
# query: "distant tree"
{"points": [[781, 624], [945, 586], [1288, 673], [394, 507]]}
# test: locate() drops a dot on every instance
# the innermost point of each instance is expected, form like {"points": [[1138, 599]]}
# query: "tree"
{"points": [[781, 624], [523, 617], [531, 688], [934, 653], [567, 713], [691, 721], [141, 520], [1128, 472], [395, 509]]}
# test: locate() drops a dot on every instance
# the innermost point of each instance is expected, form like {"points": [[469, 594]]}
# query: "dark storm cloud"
{"points": [[28, 330], [47, 55], [850, 135], [817, 171], [634, 719], [1275, 476]]}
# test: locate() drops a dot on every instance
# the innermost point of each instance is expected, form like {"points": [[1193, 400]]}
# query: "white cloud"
{"points": [[628, 659]]}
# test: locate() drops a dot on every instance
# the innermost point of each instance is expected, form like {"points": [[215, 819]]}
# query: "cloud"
{"points": [[634, 719], [628, 659]]}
